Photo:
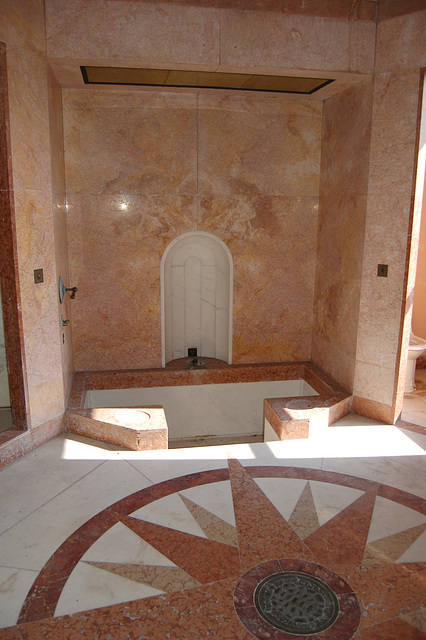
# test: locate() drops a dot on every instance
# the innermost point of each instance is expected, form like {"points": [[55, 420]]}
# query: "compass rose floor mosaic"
{"points": [[321, 539]]}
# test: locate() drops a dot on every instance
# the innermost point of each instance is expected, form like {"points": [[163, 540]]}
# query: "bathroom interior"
{"points": [[320, 220]]}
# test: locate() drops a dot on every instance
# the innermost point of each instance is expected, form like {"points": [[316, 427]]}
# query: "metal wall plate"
{"points": [[61, 290]]}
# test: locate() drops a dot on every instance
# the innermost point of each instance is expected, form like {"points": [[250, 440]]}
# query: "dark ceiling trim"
{"points": [[241, 81]]}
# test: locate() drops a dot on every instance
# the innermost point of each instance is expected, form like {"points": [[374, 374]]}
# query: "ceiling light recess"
{"points": [[201, 80]]}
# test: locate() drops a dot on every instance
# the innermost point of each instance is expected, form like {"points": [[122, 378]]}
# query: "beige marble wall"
{"points": [[164, 34], [22, 29], [343, 198], [385, 308], [142, 168], [59, 216], [419, 301]]}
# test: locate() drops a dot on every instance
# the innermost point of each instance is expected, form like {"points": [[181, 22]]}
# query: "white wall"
{"points": [[233, 409]]}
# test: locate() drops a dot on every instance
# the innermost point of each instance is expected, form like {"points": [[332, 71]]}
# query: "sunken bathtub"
{"points": [[157, 408]]}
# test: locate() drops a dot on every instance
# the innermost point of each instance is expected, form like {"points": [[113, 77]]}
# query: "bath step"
{"points": [[291, 418], [136, 428]]}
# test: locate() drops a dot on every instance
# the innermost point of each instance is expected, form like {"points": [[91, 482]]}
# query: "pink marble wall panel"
{"points": [[393, 137], [312, 36], [132, 31], [11, 322], [60, 221], [142, 168], [22, 23], [115, 263], [392, 8], [401, 41], [364, 10], [385, 305], [131, 163], [22, 28], [273, 241], [251, 145], [254, 39], [138, 143], [343, 201]]}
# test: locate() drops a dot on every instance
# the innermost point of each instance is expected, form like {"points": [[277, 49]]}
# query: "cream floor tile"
{"points": [[284, 453], [414, 402], [366, 440], [348, 440], [14, 586], [416, 417], [121, 544], [284, 493], [30, 543], [390, 517], [44, 474], [391, 471], [353, 420], [89, 587], [158, 469], [331, 499], [414, 464], [216, 498], [416, 552], [419, 438], [80, 448], [170, 512]]}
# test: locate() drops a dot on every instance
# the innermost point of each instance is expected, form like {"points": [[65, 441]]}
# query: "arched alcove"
{"points": [[196, 297]]}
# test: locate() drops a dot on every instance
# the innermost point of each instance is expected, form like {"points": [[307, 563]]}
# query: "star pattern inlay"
{"points": [[206, 569]]}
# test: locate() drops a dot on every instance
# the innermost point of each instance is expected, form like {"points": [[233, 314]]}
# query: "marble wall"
{"points": [[163, 34], [419, 300], [343, 199], [22, 28], [385, 305], [143, 168], [59, 217], [4, 382]]}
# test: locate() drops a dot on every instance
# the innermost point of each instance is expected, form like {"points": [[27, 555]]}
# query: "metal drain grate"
{"points": [[296, 603]]}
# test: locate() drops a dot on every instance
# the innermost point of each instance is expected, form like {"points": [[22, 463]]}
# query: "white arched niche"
{"points": [[196, 297]]}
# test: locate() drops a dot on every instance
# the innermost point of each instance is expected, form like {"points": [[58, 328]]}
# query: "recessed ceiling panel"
{"points": [[201, 79]]}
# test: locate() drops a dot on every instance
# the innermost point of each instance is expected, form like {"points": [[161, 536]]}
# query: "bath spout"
{"points": [[195, 363]]}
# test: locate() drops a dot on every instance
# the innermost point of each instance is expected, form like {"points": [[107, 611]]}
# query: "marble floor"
{"points": [[208, 542]]}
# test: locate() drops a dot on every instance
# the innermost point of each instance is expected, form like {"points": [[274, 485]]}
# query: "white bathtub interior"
{"points": [[205, 410]]}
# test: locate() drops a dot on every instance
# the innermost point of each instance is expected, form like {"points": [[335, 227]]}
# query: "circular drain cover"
{"points": [[300, 404], [296, 603]]}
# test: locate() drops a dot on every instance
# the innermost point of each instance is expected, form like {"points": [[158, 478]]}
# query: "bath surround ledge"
{"points": [[145, 427]]}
